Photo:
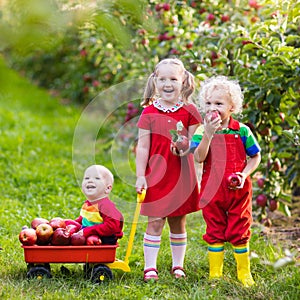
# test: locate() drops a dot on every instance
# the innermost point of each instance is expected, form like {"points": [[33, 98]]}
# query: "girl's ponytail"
{"points": [[149, 91], [188, 86]]}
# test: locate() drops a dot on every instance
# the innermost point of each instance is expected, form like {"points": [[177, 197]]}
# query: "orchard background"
{"points": [[87, 48]]}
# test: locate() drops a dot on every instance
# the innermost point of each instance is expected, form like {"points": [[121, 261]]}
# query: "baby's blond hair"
{"points": [[231, 86]]}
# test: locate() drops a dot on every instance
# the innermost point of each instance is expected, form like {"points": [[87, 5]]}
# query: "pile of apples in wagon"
{"points": [[56, 232]]}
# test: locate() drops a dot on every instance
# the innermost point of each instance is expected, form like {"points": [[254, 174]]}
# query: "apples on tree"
{"points": [[260, 182], [28, 236], [261, 200], [273, 204], [44, 233]]}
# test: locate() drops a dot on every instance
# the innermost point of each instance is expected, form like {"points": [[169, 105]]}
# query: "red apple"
{"points": [[254, 4], [189, 45], [72, 222], [61, 237], [93, 240], [71, 229], [28, 236], [210, 17], [213, 115], [261, 200], [166, 6], [233, 181], [37, 221], [182, 143], [57, 222], [77, 239], [158, 6], [44, 233], [260, 182], [225, 18], [273, 205]]}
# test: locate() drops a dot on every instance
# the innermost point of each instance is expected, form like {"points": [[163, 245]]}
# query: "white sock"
{"points": [[178, 246], [151, 248]]}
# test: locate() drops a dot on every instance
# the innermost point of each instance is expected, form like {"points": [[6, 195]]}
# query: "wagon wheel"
{"points": [[39, 272], [31, 265], [101, 273]]}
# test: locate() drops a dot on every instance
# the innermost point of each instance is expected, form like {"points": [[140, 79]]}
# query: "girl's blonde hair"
{"points": [[188, 86], [232, 87]]}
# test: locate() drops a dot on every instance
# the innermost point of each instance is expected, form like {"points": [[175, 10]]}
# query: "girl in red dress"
{"points": [[168, 176]]}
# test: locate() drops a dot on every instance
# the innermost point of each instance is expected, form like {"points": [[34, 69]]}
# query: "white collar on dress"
{"points": [[175, 107]]}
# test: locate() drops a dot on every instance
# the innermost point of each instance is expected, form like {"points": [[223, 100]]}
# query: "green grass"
{"points": [[37, 179]]}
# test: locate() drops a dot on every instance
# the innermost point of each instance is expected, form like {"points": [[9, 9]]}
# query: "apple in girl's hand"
{"points": [[93, 240], [77, 239], [37, 221], [182, 143], [28, 236], [44, 233], [233, 181], [57, 223]]}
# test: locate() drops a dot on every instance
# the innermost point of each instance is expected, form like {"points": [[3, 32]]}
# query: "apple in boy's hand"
{"points": [[44, 233], [233, 181], [57, 222], [28, 236], [61, 237], [77, 239], [93, 240], [37, 221], [214, 115]]}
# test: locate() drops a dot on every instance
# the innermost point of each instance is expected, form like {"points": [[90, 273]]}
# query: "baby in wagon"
{"points": [[99, 215]]}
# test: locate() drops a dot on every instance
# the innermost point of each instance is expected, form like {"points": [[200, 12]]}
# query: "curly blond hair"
{"points": [[230, 86]]}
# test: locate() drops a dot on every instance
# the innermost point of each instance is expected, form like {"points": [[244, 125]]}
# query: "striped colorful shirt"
{"points": [[234, 127], [101, 218]]}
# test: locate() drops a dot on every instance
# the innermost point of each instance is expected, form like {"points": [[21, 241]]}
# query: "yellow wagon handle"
{"points": [[140, 198]]}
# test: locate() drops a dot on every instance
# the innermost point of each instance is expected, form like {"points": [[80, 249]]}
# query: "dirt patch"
{"points": [[285, 231]]}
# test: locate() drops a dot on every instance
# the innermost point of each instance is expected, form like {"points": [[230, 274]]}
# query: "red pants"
{"points": [[227, 213]]}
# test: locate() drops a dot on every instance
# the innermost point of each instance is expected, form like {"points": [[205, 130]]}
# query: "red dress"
{"points": [[172, 182]]}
